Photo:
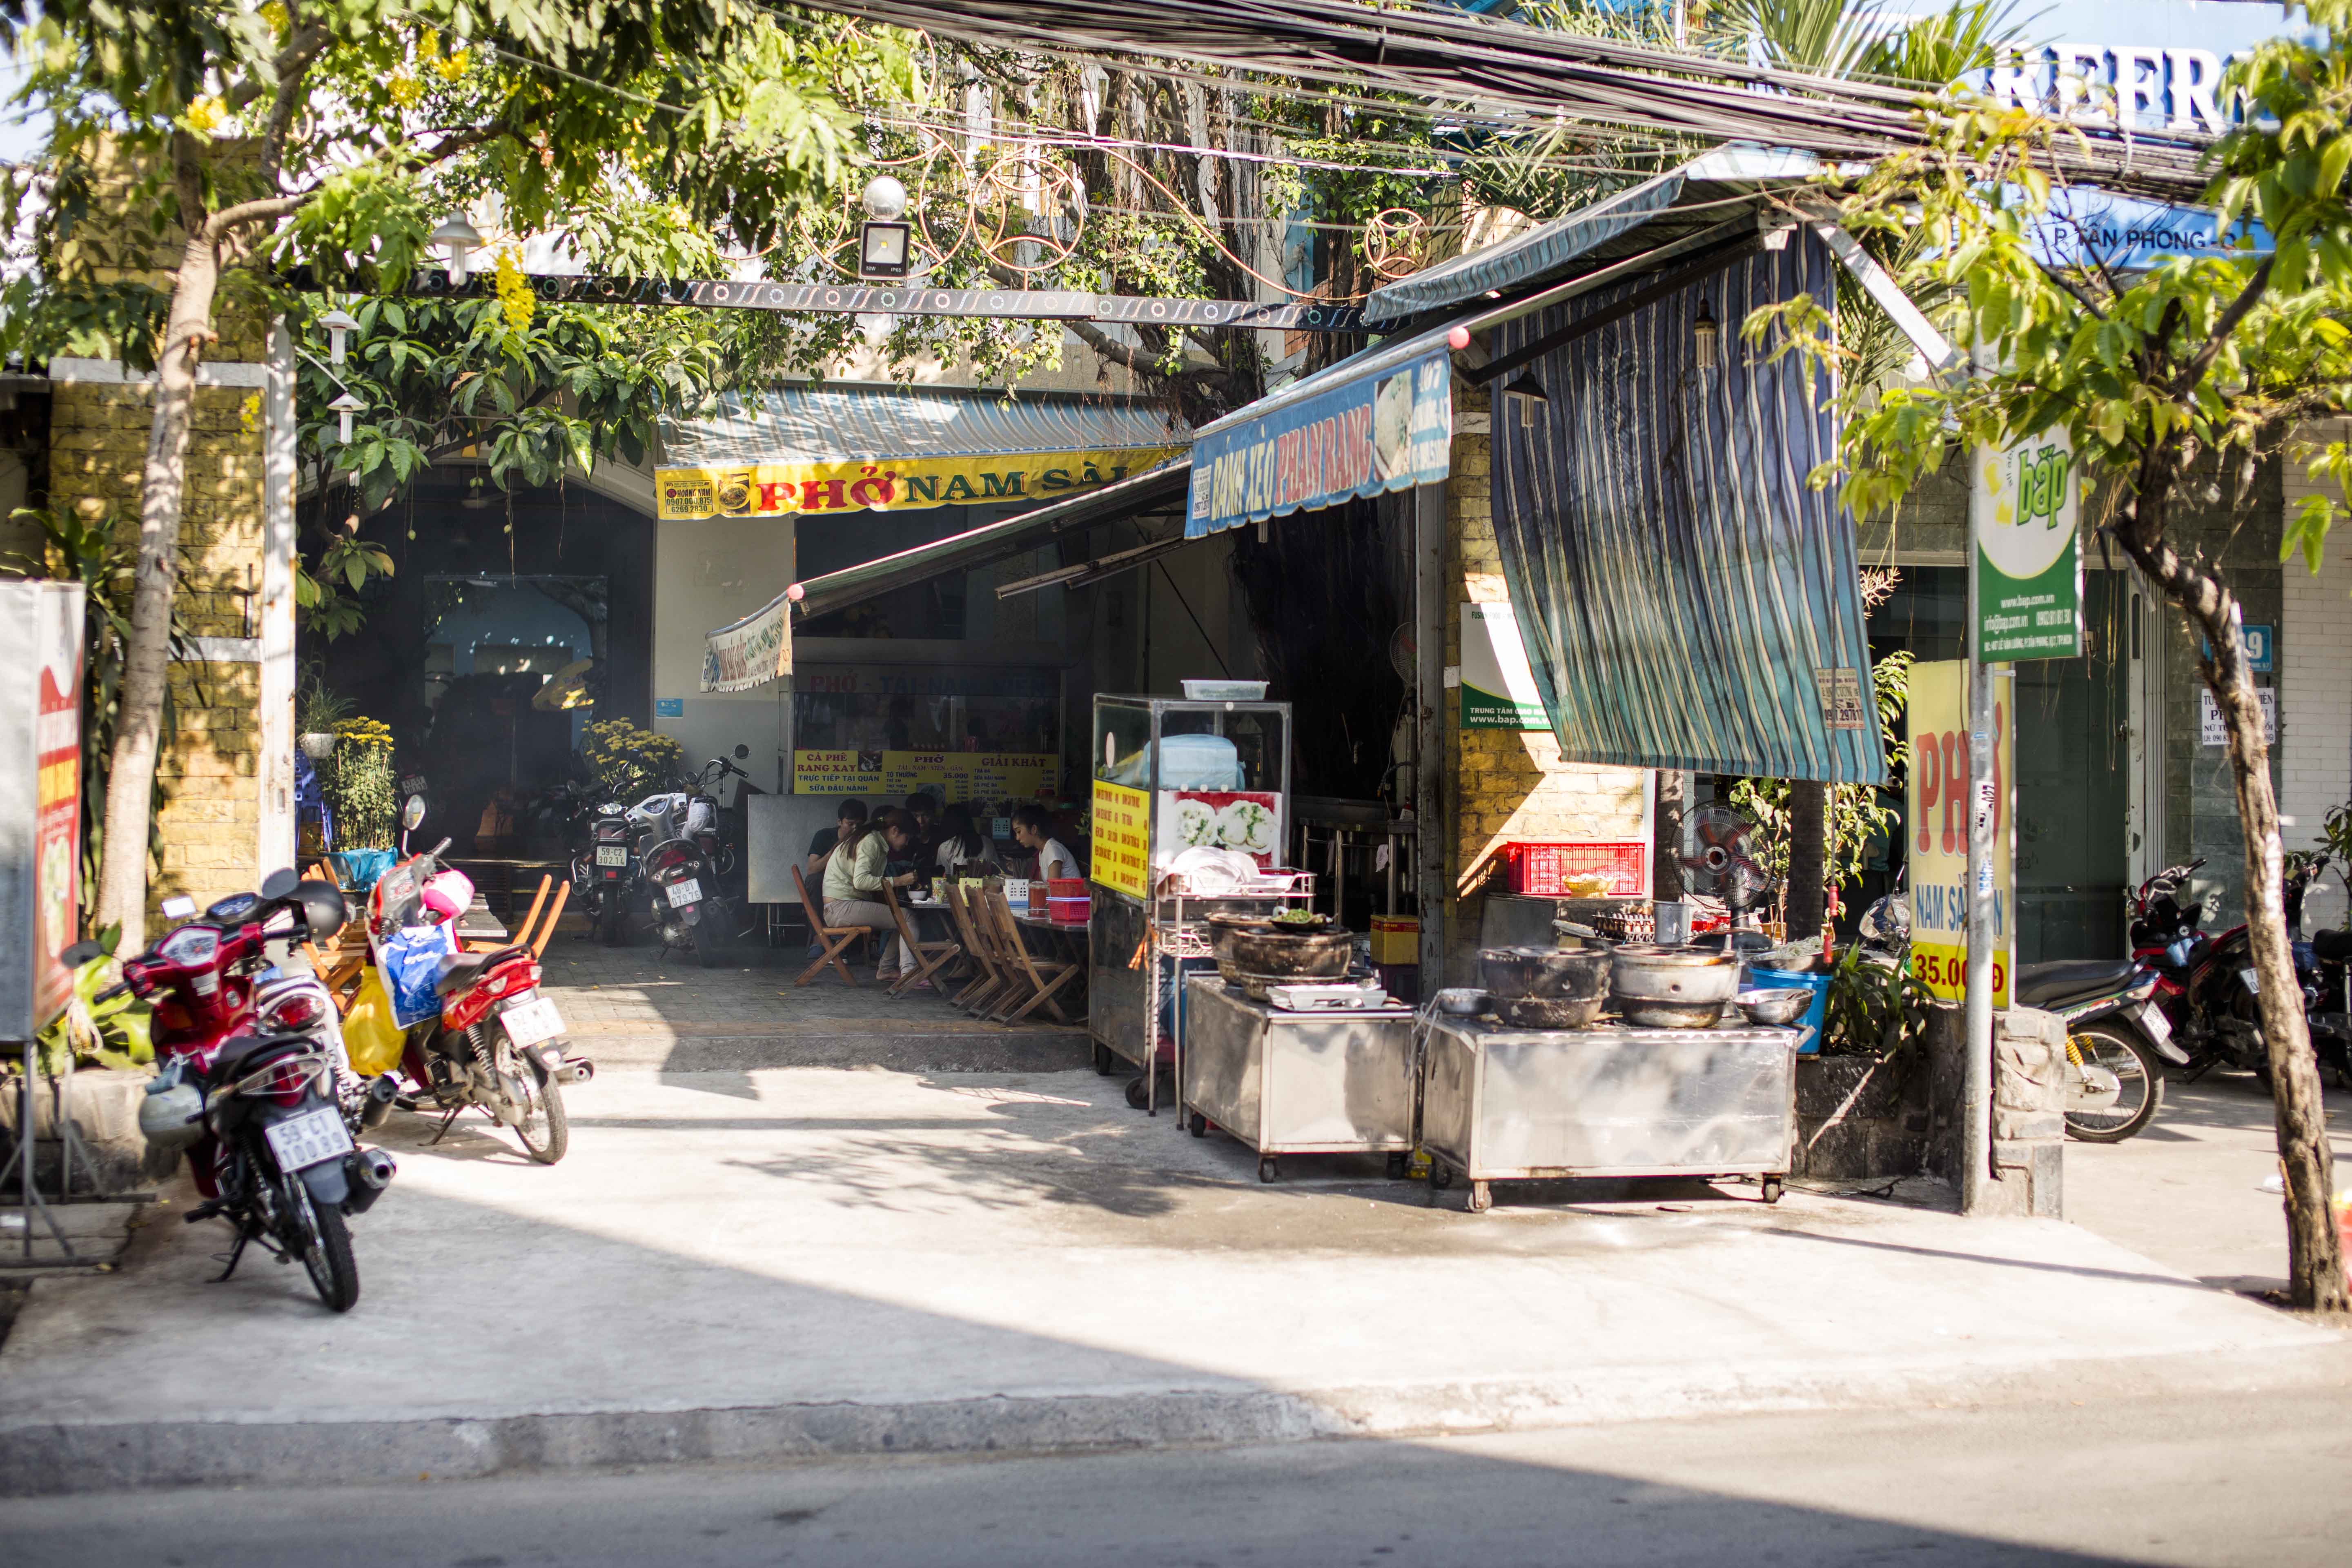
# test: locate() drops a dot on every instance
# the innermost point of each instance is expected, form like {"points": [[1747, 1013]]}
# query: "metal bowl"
{"points": [[1779, 1006], [1461, 1001]]}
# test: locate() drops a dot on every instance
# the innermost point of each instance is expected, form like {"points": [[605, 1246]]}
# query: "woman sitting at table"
{"points": [[961, 845], [1032, 829], [856, 876]]}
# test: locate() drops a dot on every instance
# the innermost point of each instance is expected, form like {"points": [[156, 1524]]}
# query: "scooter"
{"points": [[494, 1043], [245, 1089], [687, 862], [605, 873]]}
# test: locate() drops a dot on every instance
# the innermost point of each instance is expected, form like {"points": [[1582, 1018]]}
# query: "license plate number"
{"points": [[2152, 1019], [311, 1139], [528, 1023], [612, 854], [683, 893], [2254, 983]]}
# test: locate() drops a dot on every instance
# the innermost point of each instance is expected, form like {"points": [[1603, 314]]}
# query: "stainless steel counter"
{"points": [[1284, 1083], [1499, 1104]]}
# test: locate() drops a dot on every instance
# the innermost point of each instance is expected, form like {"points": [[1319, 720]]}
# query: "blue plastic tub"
{"points": [[357, 870], [1782, 980]]}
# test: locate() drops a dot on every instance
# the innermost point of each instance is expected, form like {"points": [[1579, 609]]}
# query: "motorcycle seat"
{"points": [[240, 1052], [2071, 980], [2332, 946], [457, 970]]}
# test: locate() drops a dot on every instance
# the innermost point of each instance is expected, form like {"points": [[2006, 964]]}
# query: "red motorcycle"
{"points": [[495, 1044], [252, 1100]]}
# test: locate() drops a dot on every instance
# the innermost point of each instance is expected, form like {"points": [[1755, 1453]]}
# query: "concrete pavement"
{"points": [[804, 1262], [2253, 1477]]}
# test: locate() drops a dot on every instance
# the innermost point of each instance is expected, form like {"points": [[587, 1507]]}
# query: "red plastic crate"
{"points": [[1537, 869]]}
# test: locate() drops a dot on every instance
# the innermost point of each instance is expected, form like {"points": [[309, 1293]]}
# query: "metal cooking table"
{"points": [[1296, 1083], [1502, 1104]]}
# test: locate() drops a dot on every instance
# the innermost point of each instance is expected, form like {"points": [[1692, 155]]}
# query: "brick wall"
{"points": [[210, 823], [1503, 784], [2314, 749]]}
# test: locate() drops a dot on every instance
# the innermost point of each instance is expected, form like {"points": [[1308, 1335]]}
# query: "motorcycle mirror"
{"points": [[280, 883], [742, 750], [179, 906], [412, 812], [79, 953]]}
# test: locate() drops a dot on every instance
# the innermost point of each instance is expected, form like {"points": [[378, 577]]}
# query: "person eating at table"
{"points": [[1032, 829], [960, 842], [847, 819], [856, 876]]}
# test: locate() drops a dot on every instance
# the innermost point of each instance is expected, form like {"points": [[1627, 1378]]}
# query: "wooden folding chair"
{"points": [[922, 959], [520, 935], [1034, 979], [836, 939], [554, 913], [988, 978]]}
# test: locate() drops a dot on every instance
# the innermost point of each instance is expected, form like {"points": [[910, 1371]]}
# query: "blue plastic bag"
{"points": [[411, 962]]}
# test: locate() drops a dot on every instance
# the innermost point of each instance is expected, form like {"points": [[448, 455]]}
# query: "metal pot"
{"points": [[1550, 1012], [1549, 974], [1278, 953], [1673, 987]]}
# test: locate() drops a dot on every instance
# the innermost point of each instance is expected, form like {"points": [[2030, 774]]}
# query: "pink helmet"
{"points": [[447, 894]]}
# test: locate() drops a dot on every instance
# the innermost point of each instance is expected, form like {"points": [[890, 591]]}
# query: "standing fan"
{"points": [[1719, 861]]}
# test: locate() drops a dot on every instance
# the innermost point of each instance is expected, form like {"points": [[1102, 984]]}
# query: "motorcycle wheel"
{"points": [[611, 927], [326, 1244], [540, 1119], [712, 934], [2122, 1052]]}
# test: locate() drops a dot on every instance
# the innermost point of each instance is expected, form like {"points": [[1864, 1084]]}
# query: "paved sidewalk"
{"points": [[805, 1261]]}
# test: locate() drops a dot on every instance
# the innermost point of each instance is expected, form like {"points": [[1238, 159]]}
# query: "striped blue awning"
{"points": [[1686, 599], [833, 423]]}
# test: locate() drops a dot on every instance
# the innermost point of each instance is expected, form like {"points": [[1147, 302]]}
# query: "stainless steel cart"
{"points": [[1295, 1083], [1500, 1104]]}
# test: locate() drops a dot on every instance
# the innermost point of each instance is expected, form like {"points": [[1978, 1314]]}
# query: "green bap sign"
{"points": [[2024, 506]]}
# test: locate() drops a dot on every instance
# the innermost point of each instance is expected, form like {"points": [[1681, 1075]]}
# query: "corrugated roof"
{"points": [[1697, 196], [857, 422]]}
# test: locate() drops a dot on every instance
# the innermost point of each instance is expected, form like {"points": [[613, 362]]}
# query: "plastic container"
{"points": [[1537, 869], [1224, 691], [1760, 979], [1068, 900], [1396, 939]]}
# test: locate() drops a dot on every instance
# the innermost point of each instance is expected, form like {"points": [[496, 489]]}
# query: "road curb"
{"points": [[59, 1457], [913, 1051]]}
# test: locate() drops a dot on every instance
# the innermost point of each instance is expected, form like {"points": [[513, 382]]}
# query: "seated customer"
{"points": [[1032, 829], [960, 843], [925, 813], [847, 819], [856, 876]]}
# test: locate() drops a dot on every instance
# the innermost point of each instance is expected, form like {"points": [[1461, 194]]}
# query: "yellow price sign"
{"points": [[1122, 839]]}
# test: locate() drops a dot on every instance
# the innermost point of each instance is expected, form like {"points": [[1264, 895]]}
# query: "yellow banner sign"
{"points": [[953, 776], [1122, 839], [906, 484], [1937, 801]]}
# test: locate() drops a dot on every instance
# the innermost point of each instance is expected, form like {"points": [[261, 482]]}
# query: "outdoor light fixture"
{"points": [[885, 245], [1526, 398], [338, 322], [1705, 336], [463, 239], [344, 408]]}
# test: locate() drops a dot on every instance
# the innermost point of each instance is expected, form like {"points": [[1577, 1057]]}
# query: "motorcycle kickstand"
{"points": [[235, 1255], [445, 1121]]}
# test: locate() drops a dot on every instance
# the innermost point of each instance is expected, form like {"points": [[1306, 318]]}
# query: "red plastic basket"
{"points": [[1538, 869]]}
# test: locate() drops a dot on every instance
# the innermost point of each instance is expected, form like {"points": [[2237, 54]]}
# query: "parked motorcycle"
{"points": [[686, 863], [494, 1043], [247, 1088], [605, 872]]}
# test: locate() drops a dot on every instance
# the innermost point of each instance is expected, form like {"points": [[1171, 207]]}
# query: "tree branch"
{"points": [[305, 42], [2194, 372]]}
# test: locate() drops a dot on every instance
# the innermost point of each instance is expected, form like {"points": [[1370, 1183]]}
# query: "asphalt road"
{"points": [[2253, 1478]]}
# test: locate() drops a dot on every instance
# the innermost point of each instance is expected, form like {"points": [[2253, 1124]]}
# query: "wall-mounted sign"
{"points": [[1498, 690], [2023, 511], [2256, 642], [2211, 732], [954, 777], [751, 652], [903, 484], [1937, 801], [669, 707], [1387, 430]]}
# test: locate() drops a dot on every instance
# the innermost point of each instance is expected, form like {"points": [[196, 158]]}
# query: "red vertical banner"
{"points": [[57, 833]]}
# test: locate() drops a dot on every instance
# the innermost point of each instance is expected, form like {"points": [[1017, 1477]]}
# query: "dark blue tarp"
{"points": [[1686, 598]]}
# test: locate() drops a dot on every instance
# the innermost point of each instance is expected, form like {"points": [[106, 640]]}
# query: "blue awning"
{"points": [[1701, 193]]}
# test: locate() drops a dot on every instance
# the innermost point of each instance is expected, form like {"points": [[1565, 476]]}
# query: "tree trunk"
{"points": [[131, 775], [2315, 1256], [1808, 856]]}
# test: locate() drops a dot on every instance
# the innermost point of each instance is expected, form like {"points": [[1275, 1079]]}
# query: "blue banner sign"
{"points": [[1385, 431], [2084, 228]]}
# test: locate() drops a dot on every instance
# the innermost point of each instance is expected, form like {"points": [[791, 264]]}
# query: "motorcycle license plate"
{"points": [[612, 854], [683, 893], [2254, 983], [529, 1023], [2152, 1019], [311, 1139]]}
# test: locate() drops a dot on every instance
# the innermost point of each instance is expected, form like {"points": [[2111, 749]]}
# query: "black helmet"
{"points": [[323, 910]]}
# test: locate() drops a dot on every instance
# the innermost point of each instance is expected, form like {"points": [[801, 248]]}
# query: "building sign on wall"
{"points": [[2211, 732], [1498, 690], [40, 799], [954, 777], [1938, 800], [2023, 512], [1384, 431], [1122, 839], [751, 652], [904, 484]]}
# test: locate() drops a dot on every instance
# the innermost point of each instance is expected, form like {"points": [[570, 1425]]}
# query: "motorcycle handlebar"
{"points": [[435, 852]]}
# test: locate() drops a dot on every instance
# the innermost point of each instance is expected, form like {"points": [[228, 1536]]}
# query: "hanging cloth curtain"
{"points": [[1686, 599]]}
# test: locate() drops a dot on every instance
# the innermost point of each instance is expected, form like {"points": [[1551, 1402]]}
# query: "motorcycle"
{"points": [[485, 1038], [604, 874], [686, 862], [247, 1088], [2116, 1038]]}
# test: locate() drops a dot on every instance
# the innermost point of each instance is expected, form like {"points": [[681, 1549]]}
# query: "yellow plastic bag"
{"points": [[370, 1036]]}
